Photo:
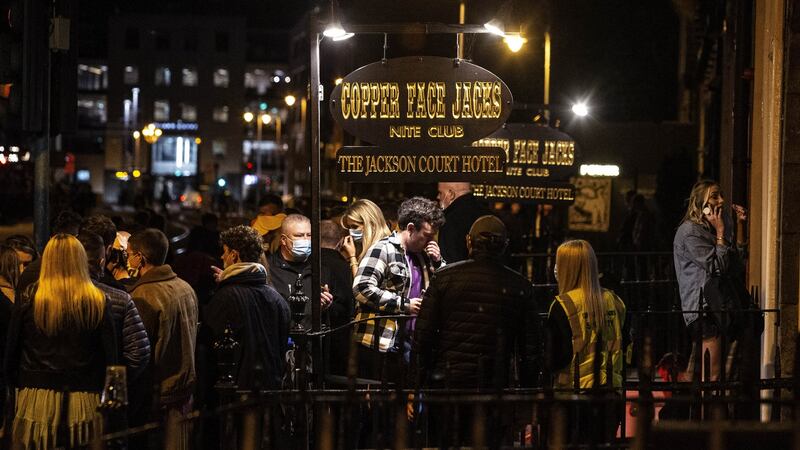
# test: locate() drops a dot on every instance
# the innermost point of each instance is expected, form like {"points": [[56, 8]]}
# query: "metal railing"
{"points": [[341, 412]]}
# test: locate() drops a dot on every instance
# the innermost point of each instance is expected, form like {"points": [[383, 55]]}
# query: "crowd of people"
{"points": [[428, 298]]}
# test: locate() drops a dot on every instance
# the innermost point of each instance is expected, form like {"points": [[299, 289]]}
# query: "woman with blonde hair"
{"points": [[60, 343], [585, 323], [366, 225], [705, 243]]}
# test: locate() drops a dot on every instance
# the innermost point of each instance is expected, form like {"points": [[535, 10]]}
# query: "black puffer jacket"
{"points": [[471, 320], [260, 319]]}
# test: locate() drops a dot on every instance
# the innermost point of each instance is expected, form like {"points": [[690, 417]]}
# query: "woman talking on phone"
{"points": [[704, 243]]}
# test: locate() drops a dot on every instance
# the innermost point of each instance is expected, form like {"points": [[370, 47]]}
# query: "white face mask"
{"points": [[357, 235]]}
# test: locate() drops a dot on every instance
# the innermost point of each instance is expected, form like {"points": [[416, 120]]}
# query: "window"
{"points": [[188, 112], [221, 41], [190, 42], [131, 75], [221, 114], [161, 110], [92, 110], [92, 77], [163, 76], [257, 80], [219, 148], [189, 76], [132, 39], [161, 40], [174, 155], [221, 77]]}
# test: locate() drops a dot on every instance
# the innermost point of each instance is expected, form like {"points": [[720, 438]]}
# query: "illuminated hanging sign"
{"points": [[540, 162], [378, 165], [421, 102]]}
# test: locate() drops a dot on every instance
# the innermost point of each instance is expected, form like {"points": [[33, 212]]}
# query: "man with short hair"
{"points": [[291, 260], [470, 324], [258, 315], [391, 280], [129, 327], [106, 229], [461, 209], [168, 307]]}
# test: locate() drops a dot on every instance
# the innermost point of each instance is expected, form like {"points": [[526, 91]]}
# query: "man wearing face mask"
{"points": [[292, 259], [461, 210]]}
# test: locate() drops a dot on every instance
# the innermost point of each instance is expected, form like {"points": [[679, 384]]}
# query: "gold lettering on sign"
{"points": [[558, 153], [404, 131], [370, 100], [526, 151], [494, 142], [477, 100], [425, 100], [446, 131]]}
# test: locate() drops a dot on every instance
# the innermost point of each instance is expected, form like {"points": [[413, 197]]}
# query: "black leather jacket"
{"points": [[73, 360]]}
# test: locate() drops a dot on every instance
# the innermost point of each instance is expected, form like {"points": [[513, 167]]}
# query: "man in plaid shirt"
{"points": [[391, 279]]}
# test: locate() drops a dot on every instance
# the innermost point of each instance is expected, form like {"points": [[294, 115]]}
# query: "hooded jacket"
{"points": [[259, 318], [168, 307]]}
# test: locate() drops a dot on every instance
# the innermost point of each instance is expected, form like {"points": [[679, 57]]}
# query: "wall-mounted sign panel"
{"points": [[421, 102], [381, 165]]}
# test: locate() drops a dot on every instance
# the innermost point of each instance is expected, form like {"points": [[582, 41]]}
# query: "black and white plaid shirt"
{"points": [[381, 288]]}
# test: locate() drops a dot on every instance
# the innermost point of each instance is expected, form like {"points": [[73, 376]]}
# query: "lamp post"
{"points": [[151, 133]]}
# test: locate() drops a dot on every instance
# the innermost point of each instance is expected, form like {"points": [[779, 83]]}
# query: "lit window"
{"points": [[219, 148], [92, 110], [161, 110], [92, 77], [221, 114], [189, 76], [257, 80], [188, 112], [131, 75], [163, 76], [221, 77]]}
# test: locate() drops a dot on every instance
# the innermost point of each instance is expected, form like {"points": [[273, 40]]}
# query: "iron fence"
{"points": [[661, 404]]}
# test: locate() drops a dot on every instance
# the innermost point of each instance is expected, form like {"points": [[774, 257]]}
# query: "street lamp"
{"points": [[514, 42], [290, 100], [150, 133], [580, 109], [335, 30]]}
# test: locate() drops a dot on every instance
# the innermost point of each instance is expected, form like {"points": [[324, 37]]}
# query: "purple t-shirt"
{"points": [[415, 291]]}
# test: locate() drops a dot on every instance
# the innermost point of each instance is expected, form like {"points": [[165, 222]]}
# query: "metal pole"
{"points": [[316, 259], [547, 75], [461, 15], [41, 171]]}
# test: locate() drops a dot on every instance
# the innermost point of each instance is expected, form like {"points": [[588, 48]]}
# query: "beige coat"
{"points": [[168, 306]]}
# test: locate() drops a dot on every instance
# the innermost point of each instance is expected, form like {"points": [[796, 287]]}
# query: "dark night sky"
{"points": [[620, 55]]}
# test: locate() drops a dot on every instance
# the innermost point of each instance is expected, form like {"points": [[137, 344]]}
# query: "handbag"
{"points": [[730, 304]]}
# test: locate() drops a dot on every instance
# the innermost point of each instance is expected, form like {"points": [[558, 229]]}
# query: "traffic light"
{"points": [[24, 47]]}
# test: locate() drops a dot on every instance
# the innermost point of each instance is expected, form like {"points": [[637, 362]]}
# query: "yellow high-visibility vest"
{"points": [[584, 340]]}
